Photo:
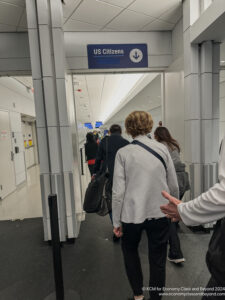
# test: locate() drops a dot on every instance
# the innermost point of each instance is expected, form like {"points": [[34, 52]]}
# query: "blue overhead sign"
{"points": [[114, 56], [88, 125], [98, 124]]}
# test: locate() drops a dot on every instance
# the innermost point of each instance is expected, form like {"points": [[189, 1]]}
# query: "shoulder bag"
{"points": [[96, 198]]}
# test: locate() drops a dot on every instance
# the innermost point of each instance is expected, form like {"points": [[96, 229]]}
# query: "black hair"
{"points": [[90, 137], [115, 128]]}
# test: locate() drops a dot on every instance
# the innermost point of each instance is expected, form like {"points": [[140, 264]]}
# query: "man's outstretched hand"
{"points": [[170, 209]]}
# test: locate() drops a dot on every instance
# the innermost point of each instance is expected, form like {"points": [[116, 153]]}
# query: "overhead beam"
{"points": [[15, 55], [210, 25]]}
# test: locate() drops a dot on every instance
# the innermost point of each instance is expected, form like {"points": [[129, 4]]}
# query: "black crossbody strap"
{"points": [[151, 151]]}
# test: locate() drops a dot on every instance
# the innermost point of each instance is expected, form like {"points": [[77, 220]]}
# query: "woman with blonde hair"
{"points": [[142, 170]]}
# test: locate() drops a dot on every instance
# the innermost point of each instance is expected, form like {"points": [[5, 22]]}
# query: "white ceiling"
{"points": [[12, 16], [100, 15], [121, 15], [147, 99], [99, 96]]}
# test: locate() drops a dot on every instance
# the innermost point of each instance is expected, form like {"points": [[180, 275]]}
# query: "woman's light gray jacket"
{"points": [[139, 178]]}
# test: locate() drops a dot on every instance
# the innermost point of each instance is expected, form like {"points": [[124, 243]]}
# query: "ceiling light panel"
{"points": [[158, 25], [15, 2], [95, 12], [121, 3], [73, 25], [173, 15], [153, 8], [130, 21], [10, 14], [69, 7]]}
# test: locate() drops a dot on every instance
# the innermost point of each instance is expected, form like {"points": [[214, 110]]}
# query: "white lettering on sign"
{"points": [[108, 51], [113, 51], [97, 51]]}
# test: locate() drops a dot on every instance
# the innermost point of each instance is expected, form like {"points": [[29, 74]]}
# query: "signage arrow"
{"points": [[136, 56]]}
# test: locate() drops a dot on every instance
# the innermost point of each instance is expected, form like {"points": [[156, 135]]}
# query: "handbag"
{"points": [[182, 177], [106, 199], [97, 199], [93, 195], [215, 257]]}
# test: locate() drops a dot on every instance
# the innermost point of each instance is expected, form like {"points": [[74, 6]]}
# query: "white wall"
{"points": [[174, 88], [17, 143], [156, 114], [15, 97], [159, 47], [222, 104], [177, 41], [77, 207], [17, 100]]}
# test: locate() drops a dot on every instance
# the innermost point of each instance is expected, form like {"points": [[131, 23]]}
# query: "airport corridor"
{"points": [[93, 266]]}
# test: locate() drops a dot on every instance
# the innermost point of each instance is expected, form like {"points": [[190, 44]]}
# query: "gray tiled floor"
{"points": [[93, 267]]}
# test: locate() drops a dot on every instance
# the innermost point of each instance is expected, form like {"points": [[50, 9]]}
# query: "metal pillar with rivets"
{"points": [[54, 131]]}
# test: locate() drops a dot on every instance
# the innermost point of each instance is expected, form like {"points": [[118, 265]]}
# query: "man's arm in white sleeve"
{"points": [[209, 206], [118, 190]]}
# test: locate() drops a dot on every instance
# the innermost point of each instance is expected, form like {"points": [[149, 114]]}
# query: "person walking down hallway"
{"points": [[162, 135], [112, 143], [91, 148], [206, 208], [141, 170]]}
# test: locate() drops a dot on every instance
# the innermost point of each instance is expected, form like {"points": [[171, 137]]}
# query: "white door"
{"points": [[18, 147], [7, 177]]}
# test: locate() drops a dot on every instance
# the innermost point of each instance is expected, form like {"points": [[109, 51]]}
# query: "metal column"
{"points": [[201, 70], [45, 28]]}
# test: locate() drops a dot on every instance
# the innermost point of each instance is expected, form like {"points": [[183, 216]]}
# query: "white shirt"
{"points": [[209, 206], [139, 178]]}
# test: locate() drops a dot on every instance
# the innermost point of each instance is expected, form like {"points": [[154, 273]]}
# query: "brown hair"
{"points": [[138, 123], [162, 134]]}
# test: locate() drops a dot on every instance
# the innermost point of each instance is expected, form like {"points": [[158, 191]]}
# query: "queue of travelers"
{"points": [[144, 175], [105, 158]]}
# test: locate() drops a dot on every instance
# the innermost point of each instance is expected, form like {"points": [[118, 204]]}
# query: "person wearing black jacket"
{"points": [[91, 148], [113, 143]]}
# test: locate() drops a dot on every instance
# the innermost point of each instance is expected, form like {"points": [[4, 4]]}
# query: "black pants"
{"points": [[214, 287], [91, 169], [158, 234], [174, 242]]}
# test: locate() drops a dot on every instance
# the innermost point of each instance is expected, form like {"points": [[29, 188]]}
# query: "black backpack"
{"points": [[98, 197], [94, 193], [215, 257]]}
